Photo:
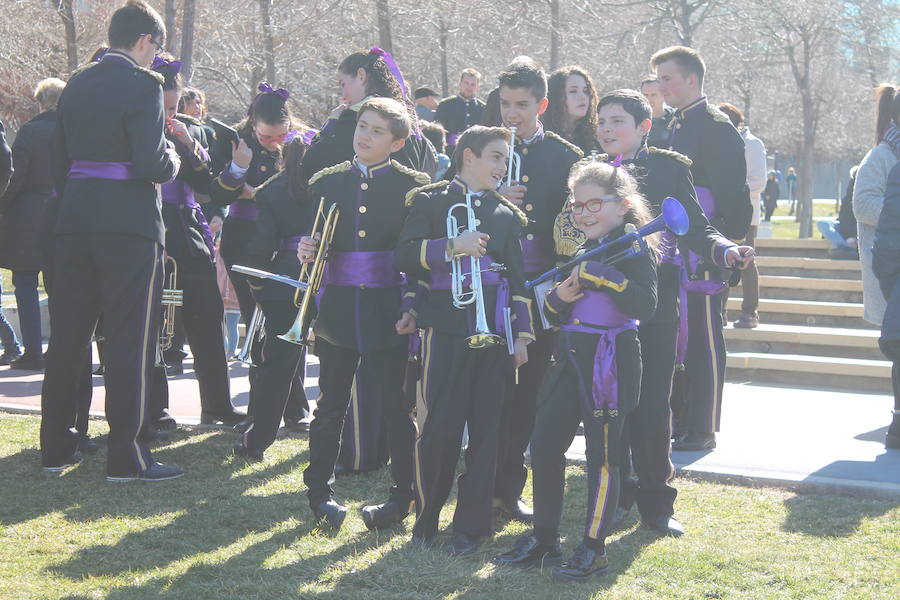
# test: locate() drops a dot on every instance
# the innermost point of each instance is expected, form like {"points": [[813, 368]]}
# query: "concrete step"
{"points": [[811, 371], [799, 312], [770, 338], [798, 266], [784, 287], [809, 248]]}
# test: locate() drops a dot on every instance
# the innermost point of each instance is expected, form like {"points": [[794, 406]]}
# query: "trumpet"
{"points": [[312, 276], [172, 298], [254, 328], [514, 167], [483, 338]]}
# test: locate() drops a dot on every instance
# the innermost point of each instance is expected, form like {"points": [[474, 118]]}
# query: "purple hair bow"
{"points": [[392, 66], [617, 161], [266, 88], [305, 138], [174, 65]]}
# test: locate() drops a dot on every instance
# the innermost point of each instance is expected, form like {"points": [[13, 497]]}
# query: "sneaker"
{"points": [[747, 321], [156, 472], [28, 363], [64, 464], [7, 357], [584, 564]]}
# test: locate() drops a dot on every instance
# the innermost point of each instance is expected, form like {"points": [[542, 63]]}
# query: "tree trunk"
{"points": [[171, 10], [686, 29], [385, 40], [66, 11], [442, 44], [187, 39], [807, 165], [265, 14], [555, 34]]}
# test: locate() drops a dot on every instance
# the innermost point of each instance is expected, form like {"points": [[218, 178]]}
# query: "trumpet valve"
{"points": [[172, 297]]}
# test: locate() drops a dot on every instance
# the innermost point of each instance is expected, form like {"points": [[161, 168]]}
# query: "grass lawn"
{"points": [[228, 530], [789, 228]]}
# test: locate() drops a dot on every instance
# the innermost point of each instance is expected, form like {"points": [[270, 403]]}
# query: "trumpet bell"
{"points": [[675, 217], [483, 340]]}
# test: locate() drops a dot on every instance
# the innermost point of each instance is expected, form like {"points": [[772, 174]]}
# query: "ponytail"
{"points": [[887, 109]]}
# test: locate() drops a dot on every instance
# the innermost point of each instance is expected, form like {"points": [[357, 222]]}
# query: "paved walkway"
{"points": [[809, 439]]}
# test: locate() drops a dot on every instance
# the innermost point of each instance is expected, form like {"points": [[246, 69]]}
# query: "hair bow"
{"points": [[617, 161], [266, 88], [174, 65], [392, 66]]}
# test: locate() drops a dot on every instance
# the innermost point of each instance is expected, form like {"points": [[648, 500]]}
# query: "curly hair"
{"points": [[380, 81], [555, 119]]}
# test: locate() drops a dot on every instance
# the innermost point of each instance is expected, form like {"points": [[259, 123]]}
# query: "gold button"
{"points": [[364, 186], [478, 203], [362, 233], [362, 209], [477, 222], [524, 150], [262, 168], [362, 287], [530, 236], [678, 126], [576, 322], [529, 207], [524, 178]]}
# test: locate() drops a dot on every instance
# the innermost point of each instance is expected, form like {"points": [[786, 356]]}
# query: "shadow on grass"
{"points": [[828, 516]]}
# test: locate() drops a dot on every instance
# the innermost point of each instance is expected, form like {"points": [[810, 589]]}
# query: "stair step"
{"points": [[770, 338], [809, 248], [785, 287], [815, 371], [802, 312], [800, 262]]}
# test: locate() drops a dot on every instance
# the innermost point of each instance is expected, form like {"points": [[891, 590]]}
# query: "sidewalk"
{"points": [[771, 435]]}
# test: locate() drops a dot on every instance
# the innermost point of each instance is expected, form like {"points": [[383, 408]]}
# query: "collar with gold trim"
{"points": [[372, 170]]}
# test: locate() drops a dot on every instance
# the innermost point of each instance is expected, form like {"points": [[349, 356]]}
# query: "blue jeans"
{"points": [[7, 335], [232, 318], [26, 283], [830, 230]]}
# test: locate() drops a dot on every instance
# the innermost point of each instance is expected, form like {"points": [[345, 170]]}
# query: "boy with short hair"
{"points": [[464, 383], [360, 314]]}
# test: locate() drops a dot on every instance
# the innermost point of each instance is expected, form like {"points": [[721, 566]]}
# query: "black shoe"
{"points": [[166, 421], [176, 368], [516, 511], [64, 464], [426, 542], [151, 435], [28, 363], [330, 513], [666, 525], [584, 564], [695, 442], [99, 370], [250, 455], [462, 543], [297, 425], [156, 472], [86, 444], [7, 357], [242, 426], [229, 419], [529, 552], [383, 516]]}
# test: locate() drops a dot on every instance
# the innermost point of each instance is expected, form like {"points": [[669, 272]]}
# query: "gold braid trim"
{"points": [[188, 119], [567, 238], [418, 176], [267, 182], [717, 114], [523, 218], [338, 168], [411, 194], [565, 143], [84, 68], [671, 154], [156, 76]]}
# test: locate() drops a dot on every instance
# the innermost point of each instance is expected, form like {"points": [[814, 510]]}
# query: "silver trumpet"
{"points": [[254, 329], [483, 338], [514, 168]]}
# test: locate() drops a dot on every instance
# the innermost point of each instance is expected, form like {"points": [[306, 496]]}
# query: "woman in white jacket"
{"points": [[868, 195]]}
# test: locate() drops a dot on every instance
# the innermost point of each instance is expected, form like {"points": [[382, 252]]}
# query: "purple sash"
{"points": [[180, 193], [290, 243], [537, 258], [705, 287], [441, 281], [363, 269], [89, 169], [243, 209], [590, 315]]}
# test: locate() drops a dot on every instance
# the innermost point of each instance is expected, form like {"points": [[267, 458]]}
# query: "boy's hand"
{"points": [[406, 325], [215, 226], [739, 257], [180, 131], [309, 245], [521, 352], [570, 290], [471, 243], [514, 193]]}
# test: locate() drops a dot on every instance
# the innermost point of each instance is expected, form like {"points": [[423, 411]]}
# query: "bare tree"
{"points": [[385, 39], [555, 35], [187, 38], [171, 10], [66, 12], [265, 16]]}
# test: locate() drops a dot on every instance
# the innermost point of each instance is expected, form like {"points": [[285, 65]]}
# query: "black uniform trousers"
{"points": [[459, 386], [648, 428], [120, 276], [566, 400], [704, 364], [277, 365], [364, 440], [337, 367], [517, 421]]}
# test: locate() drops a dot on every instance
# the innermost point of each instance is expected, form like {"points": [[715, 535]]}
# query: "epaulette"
{"points": [[593, 157], [338, 168], [411, 194], [188, 119], [83, 68], [418, 176], [567, 238], [153, 74], [265, 183], [565, 143], [717, 114], [671, 154], [523, 218]]}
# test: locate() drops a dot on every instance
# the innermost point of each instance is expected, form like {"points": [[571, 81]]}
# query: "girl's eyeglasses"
{"points": [[592, 206]]}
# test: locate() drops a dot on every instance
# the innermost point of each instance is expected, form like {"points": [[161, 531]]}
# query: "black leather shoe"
{"points": [[666, 525], [150, 435], [695, 442], [584, 564], [529, 552], [383, 516], [28, 363], [330, 513], [516, 511], [244, 425], [8, 357], [64, 464], [229, 419], [86, 444], [248, 454], [156, 472], [297, 425], [462, 543]]}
